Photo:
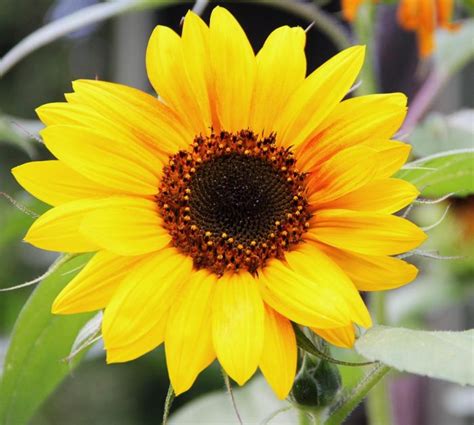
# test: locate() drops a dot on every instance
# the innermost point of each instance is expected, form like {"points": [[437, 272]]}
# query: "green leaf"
{"points": [[442, 173], [443, 355], [20, 132], [34, 364], [441, 133]]}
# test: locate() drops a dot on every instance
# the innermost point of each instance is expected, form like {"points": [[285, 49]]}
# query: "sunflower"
{"points": [[422, 16], [248, 197]]}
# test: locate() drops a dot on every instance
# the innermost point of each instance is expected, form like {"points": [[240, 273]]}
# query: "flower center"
{"points": [[233, 201], [239, 195]]}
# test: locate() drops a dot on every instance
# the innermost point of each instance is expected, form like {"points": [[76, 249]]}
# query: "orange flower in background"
{"points": [[350, 8], [424, 16]]}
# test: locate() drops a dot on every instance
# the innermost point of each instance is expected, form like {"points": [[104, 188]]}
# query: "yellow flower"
{"points": [[250, 197], [422, 16]]}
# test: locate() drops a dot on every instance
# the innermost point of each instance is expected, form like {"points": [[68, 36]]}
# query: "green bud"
{"points": [[316, 383]]}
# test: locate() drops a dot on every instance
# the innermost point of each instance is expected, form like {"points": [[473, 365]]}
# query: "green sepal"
{"points": [[316, 384]]}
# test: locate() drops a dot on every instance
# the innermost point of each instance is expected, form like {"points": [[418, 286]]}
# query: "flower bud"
{"points": [[316, 383]]}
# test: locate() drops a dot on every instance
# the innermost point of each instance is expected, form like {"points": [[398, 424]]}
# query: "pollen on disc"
{"points": [[233, 201]]}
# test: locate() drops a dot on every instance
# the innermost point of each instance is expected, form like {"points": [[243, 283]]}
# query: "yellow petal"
{"points": [[234, 68], [336, 178], [135, 319], [188, 340], [391, 156], [95, 285], [100, 159], [365, 232], [317, 97], [343, 337], [62, 113], [372, 272], [142, 117], [238, 325], [352, 122], [126, 226], [303, 261], [281, 68], [167, 73], [278, 362], [322, 297], [383, 196], [197, 58], [55, 183], [58, 228]]}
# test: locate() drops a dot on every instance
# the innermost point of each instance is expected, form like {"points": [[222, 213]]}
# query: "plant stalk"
{"points": [[364, 28], [168, 402], [343, 408], [379, 409], [70, 23], [304, 418]]}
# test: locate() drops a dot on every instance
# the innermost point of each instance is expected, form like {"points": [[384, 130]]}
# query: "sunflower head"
{"points": [[249, 198]]}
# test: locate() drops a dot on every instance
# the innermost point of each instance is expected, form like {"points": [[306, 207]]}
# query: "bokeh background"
{"points": [[134, 393]]}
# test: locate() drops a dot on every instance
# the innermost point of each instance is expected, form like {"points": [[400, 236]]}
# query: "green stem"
{"points": [[304, 418], [377, 306], [59, 28], [378, 405], [325, 22], [168, 402], [378, 402], [345, 406], [364, 30]]}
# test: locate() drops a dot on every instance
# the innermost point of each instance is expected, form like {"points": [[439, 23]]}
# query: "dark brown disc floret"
{"points": [[233, 201]]}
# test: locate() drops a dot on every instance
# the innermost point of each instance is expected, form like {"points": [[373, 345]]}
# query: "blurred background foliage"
{"points": [[133, 393]]}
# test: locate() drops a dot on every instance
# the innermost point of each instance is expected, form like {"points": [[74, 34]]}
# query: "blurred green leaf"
{"points": [[60, 27], [454, 48], [442, 173], [440, 133], [20, 133], [443, 355], [255, 401], [34, 364]]}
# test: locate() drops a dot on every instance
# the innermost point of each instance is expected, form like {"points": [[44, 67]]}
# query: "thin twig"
{"points": [[434, 201], [273, 415], [228, 386], [438, 222], [87, 343], [429, 254], [168, 402], [19, 206], [57, 263]]}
